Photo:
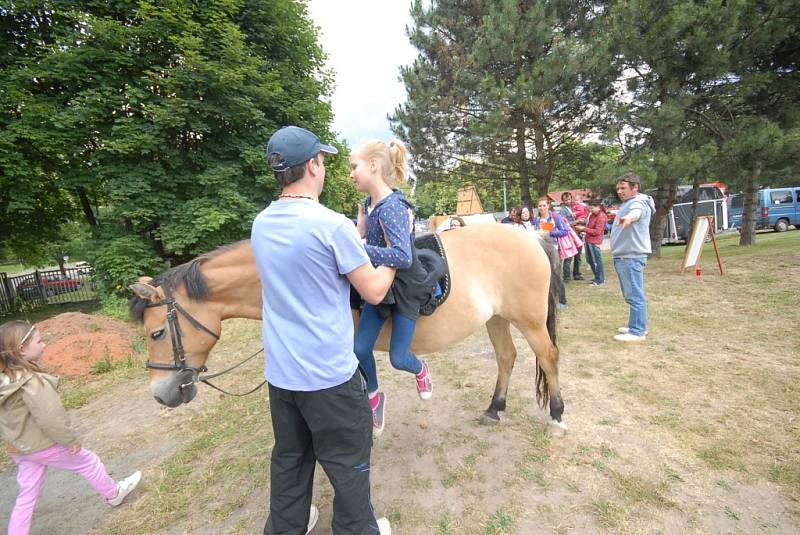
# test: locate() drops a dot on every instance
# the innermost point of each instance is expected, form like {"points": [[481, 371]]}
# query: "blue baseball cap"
{"points": [[295, 145]]}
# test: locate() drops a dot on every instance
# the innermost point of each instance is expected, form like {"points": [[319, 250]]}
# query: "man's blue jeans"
{"points": [[369, 327], [594, 258], [631, 280]]}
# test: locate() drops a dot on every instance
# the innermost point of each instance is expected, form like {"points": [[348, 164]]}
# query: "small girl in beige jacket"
{"points": [[36, 427]]}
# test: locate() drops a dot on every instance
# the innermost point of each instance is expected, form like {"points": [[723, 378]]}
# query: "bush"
{"points": [[113, 306], [122, 260]]}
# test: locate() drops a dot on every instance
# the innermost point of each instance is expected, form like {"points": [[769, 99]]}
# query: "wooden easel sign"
{"points": [[703, 227]]}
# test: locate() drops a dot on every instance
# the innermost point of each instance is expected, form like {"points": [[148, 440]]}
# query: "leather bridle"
{"points": [[179, 354]]}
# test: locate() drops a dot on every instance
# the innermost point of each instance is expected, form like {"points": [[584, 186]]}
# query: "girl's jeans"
{"points": [[595, 259], [32, 471], [369, 327]]}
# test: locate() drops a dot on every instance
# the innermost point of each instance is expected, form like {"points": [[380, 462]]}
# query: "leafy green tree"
{"points": [[150, 119], [668, 54], [755, 113], [711, 88], [502, 86]]}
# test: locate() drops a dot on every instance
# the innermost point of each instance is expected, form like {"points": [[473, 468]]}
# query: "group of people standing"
{"points": [[630, 243], [588, 224]]}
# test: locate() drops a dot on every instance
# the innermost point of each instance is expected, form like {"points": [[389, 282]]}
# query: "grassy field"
{"points": [[12, 268], [696, 430]]}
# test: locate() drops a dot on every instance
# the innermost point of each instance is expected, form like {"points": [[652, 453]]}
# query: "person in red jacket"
{"points": [[594, 230]]}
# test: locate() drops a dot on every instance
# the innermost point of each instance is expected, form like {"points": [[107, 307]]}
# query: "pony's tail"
{"points": [[556, 285], [542, 390]]}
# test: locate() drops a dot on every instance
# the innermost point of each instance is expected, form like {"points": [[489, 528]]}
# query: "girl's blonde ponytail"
{"points": [[398, 155], [391, 158]]}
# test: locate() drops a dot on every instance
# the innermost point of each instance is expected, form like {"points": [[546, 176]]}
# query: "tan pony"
{"points": [[500, 276]]}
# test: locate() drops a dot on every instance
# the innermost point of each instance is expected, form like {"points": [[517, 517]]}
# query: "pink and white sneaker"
{"points": [[424, 383], [378, 405]]}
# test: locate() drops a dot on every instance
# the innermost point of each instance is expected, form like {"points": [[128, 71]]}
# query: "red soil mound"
{"points": [[77, 341]]}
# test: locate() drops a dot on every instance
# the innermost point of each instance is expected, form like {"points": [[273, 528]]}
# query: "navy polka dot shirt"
{"points": [[393, 215]]}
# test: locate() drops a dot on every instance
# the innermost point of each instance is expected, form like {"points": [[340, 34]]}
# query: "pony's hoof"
{"points": [[557, 429], [486, 419]]}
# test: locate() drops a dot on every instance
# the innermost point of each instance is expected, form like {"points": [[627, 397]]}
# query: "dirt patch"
{"points": [[76, 342]]}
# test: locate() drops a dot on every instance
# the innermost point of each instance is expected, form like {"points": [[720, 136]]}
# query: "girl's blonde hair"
{"points": [[391, 159], [12, 335]]}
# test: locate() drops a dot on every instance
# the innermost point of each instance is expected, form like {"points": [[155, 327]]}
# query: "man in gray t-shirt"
{"points": [[307, 257], [630, 245]]}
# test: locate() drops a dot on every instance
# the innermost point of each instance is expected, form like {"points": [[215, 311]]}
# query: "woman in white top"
{"points": [[525, 218]]}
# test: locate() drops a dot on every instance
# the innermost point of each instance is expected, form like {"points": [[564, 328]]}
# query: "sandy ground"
{"points": [[435, 461], [619, 469]]}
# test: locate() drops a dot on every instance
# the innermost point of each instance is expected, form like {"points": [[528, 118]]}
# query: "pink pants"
{"points": [[32, 471]]}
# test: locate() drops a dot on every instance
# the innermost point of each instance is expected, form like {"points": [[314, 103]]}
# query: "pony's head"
{"points": [[180, 327]]}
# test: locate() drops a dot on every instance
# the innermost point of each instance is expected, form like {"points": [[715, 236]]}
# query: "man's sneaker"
{"points": [[378, 406], [561, 306], [627, 337], [595, 283], [424, 384], [126, 486], [313, 516], [578, 277], [384, 527], [625, 330]]}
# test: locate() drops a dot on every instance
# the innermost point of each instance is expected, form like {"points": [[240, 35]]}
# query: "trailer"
{"points": [[712, 202]]}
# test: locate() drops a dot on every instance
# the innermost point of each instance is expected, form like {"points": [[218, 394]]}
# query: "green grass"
{"points": [[230, 446], [637, 490], [445, 525], [48, 311], [11, 268], [721, 456], [104, 365], [730, 513], [464, 470], [702, 393], [609, 513], [501, 521], [787, 474]]}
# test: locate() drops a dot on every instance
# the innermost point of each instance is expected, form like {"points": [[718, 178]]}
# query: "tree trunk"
{"points": [[695, 198], [542, 175], [665, 198], [747, 235], [522, 165], [59, 254], [86, 206]]}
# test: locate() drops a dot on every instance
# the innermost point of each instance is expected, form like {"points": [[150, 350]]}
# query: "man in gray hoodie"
{"points": [[630, 246]]}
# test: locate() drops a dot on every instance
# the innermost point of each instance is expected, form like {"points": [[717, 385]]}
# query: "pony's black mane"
{"points": [[187, 274]]}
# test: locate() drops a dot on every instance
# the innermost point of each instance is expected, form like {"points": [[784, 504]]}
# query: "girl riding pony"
{"points": [[386, 220]]}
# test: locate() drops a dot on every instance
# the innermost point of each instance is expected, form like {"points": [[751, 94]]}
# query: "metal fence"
{"points": [[40, 288]]}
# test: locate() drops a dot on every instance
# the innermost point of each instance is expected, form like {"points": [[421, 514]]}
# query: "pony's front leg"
{"points": [[500, 335]]}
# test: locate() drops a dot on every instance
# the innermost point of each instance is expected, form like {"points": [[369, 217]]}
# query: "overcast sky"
{"points": [[366, 44]]}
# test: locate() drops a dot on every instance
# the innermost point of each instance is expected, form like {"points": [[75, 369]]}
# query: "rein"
{"points": [[179, 354]]}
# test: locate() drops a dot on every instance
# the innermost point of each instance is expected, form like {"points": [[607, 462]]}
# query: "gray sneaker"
{"points": [[377, 414]]}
